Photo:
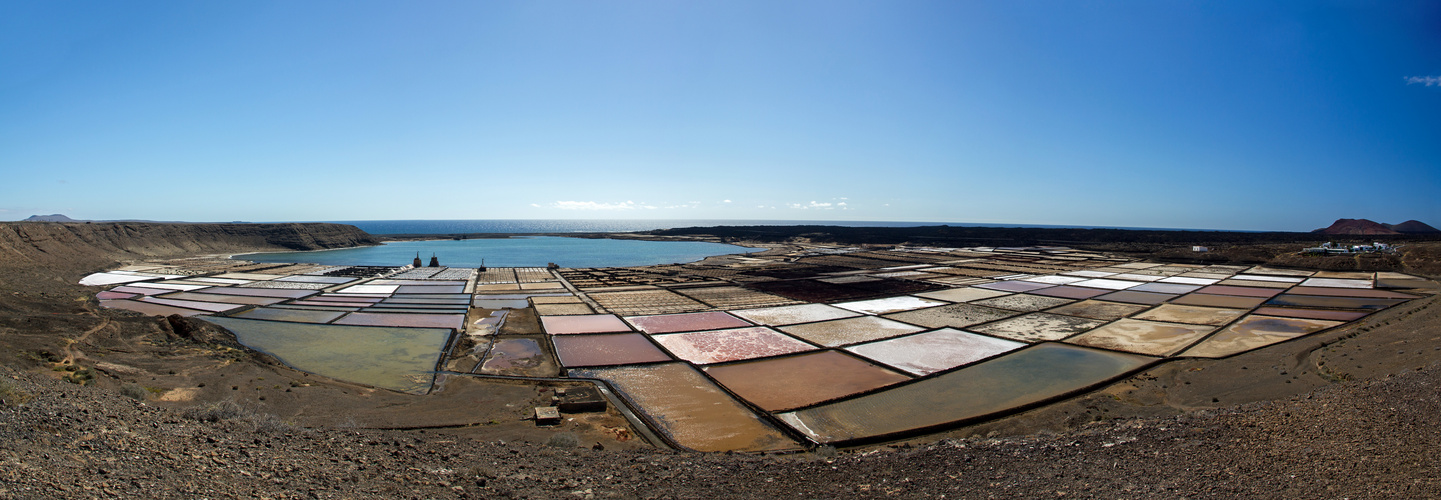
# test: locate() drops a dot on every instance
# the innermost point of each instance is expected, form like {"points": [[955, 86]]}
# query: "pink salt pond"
{"points": [[455, 321], [1015, 286], [1070, 292], [348, 298], [330, 303], [192, 304], [228, 299], [138, 291], [930, 352], [719, 346], [671, 323], [584, 323], [1349, 292], [148, 308], [798, 381], [261, 292], [606, 350], [1239, 291], [1287, 312]]}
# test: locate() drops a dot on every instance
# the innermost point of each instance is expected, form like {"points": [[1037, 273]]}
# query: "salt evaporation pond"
{"points": [[800, 351], [527, 251], [400, 359]]}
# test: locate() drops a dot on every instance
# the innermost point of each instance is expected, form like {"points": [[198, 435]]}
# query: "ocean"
{"points": [[529, 251], [519, 251], [557, 226]]}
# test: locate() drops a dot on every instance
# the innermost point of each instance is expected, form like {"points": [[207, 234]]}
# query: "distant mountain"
{"points": [[1356, 227], [1359, 227], [1413, 227], [62, 218]]}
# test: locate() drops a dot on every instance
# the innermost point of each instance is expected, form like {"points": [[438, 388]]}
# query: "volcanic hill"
{"points": [[1356, 226], [1413, 227]]}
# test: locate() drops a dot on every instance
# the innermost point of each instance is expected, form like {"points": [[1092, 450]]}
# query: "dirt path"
{"points": [[69, 344]]}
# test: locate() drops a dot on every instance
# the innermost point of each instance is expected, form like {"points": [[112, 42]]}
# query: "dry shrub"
{"points": [[235, 413], [11, 395]]}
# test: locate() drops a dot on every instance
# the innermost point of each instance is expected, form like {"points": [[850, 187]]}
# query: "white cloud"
{"points": [[725, 201], [1429, 81], [813, 204], [536, 205], [618, 206], [592, 205]]}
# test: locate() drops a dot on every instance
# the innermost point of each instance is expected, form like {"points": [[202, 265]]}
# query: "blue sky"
{"points": [[1223, 115]]}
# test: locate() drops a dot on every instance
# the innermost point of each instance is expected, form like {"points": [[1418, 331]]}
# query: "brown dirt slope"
{"points": [[1372, 439], [53, 251]]}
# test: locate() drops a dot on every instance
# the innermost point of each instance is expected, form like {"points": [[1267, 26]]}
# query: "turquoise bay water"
{"points": [[528, 251], [561, 226]]}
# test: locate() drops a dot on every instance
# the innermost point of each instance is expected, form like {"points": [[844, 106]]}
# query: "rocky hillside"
{"points": [[67, 251]]}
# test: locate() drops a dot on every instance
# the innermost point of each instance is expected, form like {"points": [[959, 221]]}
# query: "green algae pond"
{"points": [[399, 359]]}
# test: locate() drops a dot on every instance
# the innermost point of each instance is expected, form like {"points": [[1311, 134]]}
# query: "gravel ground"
{"points": [[1369, 439], [1363, 426]]}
